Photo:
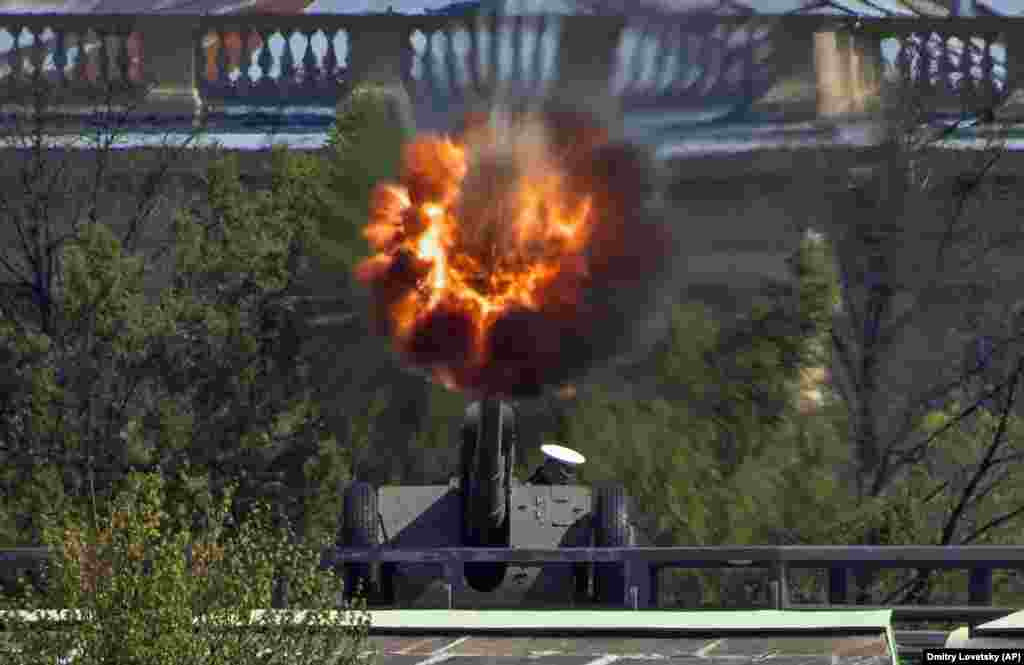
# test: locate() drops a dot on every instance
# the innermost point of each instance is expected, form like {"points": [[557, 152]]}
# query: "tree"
{"points": [[51, 219], [147, 588], [906, 242], [926, 323], [176, 342], [355, 367], [707, 422]]}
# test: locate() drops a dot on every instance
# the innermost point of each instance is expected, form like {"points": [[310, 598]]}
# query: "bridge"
{"points": [[654, 68]]}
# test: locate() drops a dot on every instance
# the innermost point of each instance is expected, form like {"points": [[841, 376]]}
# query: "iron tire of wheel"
{"points": [[613, 530], [486, 473], [360, 529]]}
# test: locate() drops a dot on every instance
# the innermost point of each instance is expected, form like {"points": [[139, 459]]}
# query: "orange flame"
{"points": [[483, 238]]}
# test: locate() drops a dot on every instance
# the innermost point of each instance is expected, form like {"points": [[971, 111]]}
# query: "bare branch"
{"points": [[148, 199], [993, 484], [908, 589], [992, 524], [938, 489], [923, 404], [1015, 457], [986, 463], [846, 359], [23, 233], [24, 280]]}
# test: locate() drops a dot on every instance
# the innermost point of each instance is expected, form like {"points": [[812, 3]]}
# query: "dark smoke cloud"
{"points": [[586, 319]]}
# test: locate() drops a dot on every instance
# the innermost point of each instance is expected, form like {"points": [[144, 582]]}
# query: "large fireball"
{"points": [[497, 251]]}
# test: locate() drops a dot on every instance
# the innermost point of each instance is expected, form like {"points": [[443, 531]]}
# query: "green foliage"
{"points": [[39, 491], [723, 457], [363, 148], [806, 479], [656, 451], [328, 470], [210, 368], [817, 279], [437, 442], [140, 601], [974, 446]]}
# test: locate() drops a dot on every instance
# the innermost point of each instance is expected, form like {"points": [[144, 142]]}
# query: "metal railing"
{"points": [[641, 566]]}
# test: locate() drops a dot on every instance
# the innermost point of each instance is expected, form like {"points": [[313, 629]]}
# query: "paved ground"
{"points": [[1005, 633], [480, 650]]}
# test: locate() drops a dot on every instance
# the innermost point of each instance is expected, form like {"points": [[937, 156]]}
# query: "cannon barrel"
{"points": [[488, 444]]}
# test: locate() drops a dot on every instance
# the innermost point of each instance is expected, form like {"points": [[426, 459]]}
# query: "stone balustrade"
{"points": [[800, 67]]}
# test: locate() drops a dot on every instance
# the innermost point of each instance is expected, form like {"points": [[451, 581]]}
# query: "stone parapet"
{"points": [[175, 66]]}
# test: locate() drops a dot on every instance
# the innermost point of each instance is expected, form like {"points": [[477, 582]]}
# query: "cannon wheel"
{"points": [[360, 529], [613, 530], [487, 461]]}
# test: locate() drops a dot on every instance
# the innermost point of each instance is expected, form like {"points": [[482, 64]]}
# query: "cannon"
{"points": [[486, 506]]}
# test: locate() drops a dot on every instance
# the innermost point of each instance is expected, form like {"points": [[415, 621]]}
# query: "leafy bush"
{"points": [[140, 601]]}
